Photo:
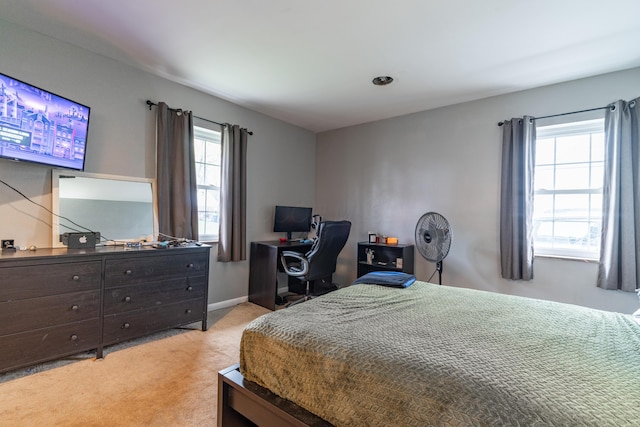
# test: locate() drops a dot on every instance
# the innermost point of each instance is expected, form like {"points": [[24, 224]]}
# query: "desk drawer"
{"points": [[49, 343], [131, 271], [36, 313], [147, 295], [31, 281], [125, 326]]}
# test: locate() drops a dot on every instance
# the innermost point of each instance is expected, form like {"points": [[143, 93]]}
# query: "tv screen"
{"points": [[40, 127], [292, 219]]}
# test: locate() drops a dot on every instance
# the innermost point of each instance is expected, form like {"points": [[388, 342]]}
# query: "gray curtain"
{"points": [[516, 198], [232, 245], [176, 177], [619, 266]]}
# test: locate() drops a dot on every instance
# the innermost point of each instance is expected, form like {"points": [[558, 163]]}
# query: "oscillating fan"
{"points": [[433, 239]]}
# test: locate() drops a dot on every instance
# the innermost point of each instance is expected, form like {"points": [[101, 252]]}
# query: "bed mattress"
{"points": [[429, 355]]}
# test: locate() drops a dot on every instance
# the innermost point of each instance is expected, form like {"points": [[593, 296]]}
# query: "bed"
{"points": [[429, 355]]}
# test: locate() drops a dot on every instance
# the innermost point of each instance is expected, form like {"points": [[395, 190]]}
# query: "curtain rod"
{"points": [[564, 114], [152, 104]]}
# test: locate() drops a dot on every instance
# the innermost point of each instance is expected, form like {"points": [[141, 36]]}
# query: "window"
{"points": [[567, 209], [208, 154]]}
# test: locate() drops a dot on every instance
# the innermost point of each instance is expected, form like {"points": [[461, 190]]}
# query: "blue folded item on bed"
{"points": [[387, 278]]}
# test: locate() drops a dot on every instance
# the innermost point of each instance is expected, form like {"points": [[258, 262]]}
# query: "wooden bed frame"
{"points": [[244, 403]]}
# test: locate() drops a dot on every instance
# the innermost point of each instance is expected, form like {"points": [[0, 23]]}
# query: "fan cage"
{"points": [[433, 236]]}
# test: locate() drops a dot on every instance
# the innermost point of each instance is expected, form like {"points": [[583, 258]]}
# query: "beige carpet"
{"points": [[167, 382]]}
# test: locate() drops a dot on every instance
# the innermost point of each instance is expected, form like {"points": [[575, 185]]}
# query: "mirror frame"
{"points": [[55, 198]]}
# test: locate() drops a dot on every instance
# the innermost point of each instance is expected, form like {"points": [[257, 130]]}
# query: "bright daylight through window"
{"points": [[208, 154], [568, 182]]}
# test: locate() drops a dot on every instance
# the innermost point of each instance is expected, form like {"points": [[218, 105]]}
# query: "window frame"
{"points": [[565, 128], [207, 133]]}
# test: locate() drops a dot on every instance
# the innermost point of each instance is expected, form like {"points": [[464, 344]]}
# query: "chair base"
{"points": [[316, 287], [284, 300], [298, 301]]}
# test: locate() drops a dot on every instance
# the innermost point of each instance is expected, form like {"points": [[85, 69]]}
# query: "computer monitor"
{"points": [[291, 219]]}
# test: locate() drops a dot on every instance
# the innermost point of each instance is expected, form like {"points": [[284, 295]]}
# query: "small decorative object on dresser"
{"points": [[8, 246]]}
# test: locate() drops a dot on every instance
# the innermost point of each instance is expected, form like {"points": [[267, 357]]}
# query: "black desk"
{"points": [[264, 263]]}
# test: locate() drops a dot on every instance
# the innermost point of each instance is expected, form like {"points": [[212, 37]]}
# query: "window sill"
{"points": [[567, 258]]}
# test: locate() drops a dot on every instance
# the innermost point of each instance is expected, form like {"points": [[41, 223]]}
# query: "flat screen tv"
{"points": [[41, 127], [292, 219]]}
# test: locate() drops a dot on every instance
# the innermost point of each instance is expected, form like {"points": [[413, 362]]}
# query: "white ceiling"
{"points": [[310, 63]]}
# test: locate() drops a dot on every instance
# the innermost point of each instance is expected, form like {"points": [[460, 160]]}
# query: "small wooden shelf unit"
{"points": [[384, 257]]}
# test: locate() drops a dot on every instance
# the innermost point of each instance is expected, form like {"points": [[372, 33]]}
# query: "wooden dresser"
{"points": [[58, 302]]}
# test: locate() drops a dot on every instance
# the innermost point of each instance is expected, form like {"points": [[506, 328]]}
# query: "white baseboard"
{"points": [[236, 301], [227, 303]]}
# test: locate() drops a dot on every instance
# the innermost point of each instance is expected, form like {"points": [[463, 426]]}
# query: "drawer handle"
{"points": [[189, 288], [128, 272], [188, 311], [74, 337], [125, 325], [75, 307], [190, 265], [127, 299], [76, 278]]}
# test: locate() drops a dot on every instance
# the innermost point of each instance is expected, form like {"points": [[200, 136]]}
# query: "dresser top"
{"points": [[97, 251]]}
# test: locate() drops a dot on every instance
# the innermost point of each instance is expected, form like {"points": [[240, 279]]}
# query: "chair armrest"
{"points": [[295, 270]]}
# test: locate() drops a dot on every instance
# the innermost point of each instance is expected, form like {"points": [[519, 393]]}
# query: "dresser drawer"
{"points": [[49, 343], [35, 313], [148, 295], [130, 271], [29, 281], [125, 326]]}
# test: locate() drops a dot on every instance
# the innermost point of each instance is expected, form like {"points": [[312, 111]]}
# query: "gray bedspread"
{"points": [[430, 355]]}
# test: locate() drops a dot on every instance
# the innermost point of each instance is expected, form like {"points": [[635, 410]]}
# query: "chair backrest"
{"points": [[323, 256]]}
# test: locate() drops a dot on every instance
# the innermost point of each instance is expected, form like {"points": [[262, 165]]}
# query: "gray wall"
{"points": [[121, 142], [384, 175]]}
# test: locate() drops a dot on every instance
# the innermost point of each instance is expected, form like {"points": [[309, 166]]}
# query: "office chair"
{"points": [[320, 261]]}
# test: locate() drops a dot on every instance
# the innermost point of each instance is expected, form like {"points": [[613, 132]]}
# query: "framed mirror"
{"points": [[122, 209]]}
